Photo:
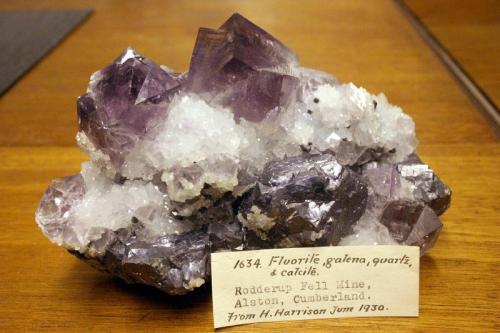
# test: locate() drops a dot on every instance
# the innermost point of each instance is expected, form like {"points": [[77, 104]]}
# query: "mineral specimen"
{"points": [[246, 150]]}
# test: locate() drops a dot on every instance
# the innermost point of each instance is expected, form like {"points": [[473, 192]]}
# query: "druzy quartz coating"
{"points": [[246, 150]]}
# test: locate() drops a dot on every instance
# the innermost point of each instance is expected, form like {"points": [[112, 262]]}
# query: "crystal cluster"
{"points": [[246, 150]]}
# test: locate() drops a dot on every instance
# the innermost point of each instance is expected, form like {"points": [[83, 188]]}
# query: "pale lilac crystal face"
{"points": [[54, 212], [243, 67], [428, 187], [385, 182], [412, 223], [408, 196], [124, 101]]}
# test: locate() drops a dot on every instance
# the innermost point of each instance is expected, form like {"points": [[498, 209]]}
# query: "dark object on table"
{"points": [[27, 36]]}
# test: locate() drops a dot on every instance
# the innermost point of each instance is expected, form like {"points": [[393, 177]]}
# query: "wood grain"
{"points": [[43, 288], [468, 28]]}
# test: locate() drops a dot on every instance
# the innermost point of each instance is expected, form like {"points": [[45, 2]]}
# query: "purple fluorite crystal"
{"points": [[428, 187], [53, 214], [242, 66], [246, 150], [412, 223], [124, 101]]}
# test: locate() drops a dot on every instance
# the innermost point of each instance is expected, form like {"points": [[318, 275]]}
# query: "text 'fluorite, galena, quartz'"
{"points": [[246, 150]]}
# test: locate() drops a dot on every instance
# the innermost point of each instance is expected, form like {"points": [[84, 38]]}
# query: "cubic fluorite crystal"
{"points": [[243, 67], [246, 150], [123, 102]]}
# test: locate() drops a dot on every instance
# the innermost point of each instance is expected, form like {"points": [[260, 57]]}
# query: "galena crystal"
{"points": [[246, 150], [303, 201]]}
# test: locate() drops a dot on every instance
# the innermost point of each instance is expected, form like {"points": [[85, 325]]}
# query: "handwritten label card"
{"points": [[314, 283]]}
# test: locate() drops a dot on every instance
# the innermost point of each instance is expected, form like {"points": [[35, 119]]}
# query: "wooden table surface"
{"points": [[43, 288], [467, 28]]}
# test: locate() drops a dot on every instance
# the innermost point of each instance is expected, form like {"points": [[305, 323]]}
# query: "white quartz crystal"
{"points": [[200, 144], [110, 206], [335, 115], [368, 231]]}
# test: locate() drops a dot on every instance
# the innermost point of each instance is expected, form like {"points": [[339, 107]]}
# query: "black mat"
{"points": [[26, 36]]}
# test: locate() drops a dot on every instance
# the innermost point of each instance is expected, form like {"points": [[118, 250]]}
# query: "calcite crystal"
{"points": [[246, 150]]}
